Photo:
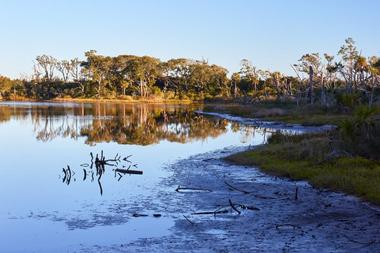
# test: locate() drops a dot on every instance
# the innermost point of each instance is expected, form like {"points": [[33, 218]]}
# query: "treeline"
{"points": [[323, 79]]}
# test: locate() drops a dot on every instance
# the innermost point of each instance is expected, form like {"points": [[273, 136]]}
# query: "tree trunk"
{"points": [[235, 89], [311, 91], [323, 92]]}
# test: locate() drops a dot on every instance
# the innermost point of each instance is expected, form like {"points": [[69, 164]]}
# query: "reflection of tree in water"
{"points": [[5, 114], [121, 123], [149, 127], [124, 123]]}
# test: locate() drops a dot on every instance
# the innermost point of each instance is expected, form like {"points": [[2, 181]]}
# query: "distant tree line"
{"points": [[323, 79]]}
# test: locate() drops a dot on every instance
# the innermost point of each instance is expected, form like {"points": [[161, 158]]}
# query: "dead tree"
{"points": [[311, 88]]}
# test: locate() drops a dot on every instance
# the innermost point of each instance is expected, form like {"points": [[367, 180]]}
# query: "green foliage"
{"points": [[98, 76], [309, 157], [348, 100], [361, 134]]}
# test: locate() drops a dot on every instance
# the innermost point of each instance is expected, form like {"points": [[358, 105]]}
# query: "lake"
{"points": [[46, 207]]}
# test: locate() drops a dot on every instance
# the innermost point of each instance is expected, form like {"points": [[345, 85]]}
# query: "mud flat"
{"points": [[280, 215]]}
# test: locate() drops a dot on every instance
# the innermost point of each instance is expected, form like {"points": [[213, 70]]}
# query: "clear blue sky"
{"points": [[271, 33]]}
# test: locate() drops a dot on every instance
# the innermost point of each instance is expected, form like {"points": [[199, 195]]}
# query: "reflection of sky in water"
{"points": [[36, 207]]}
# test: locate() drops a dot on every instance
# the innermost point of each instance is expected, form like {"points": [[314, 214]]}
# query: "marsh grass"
{"points": [[308, 157]]}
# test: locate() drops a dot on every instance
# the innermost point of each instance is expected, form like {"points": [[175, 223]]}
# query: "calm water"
{"points": [[42, 211]]}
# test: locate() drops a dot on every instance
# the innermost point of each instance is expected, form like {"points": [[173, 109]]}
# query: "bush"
{"points": [[348, 100], [361, 134]]}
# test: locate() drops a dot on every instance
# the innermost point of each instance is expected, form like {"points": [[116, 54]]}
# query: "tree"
{"points": [[177, 73], [235, 80], [6, 85], [75, 69], [249, 74], [311, 64], [97, 69], [374, 70], [144, 70], [64, 67], [346, 67], [47, 64]]}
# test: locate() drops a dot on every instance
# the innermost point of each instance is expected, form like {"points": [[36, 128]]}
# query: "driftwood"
{"points": [[100, 184], [225, 209], [126, 158], [64, 175], [139, 215], [247, 192], [128, 171], [67, 175], [99, 162], [192, 223], [156, 215], [251, 208], [210, 212], [233, 207], [184, 189], [236, 189]]}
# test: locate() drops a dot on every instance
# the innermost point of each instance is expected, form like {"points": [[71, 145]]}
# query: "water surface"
{"points": [[42, 212]]}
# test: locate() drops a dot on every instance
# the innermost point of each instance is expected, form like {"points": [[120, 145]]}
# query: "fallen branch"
{"points": [[65, 175], [128, 171], [210, 212], [139, 215], [247, 192], [233, 207], [251, 208], [192, 223], [236, 189], [179, 189]]}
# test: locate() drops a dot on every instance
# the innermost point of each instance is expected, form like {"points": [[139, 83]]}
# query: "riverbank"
{"points": [[327, 160], [129, 100], [309, 160], [268, 216], [285, 112], [270, 111]]}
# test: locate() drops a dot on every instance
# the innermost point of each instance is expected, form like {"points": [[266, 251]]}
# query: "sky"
{"points": [[272, 34]]}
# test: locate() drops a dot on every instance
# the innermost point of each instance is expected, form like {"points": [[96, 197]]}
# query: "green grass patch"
{"points": [[304, 159]]}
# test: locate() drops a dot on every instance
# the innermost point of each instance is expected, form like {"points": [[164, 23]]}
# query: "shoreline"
{"points": [[318, 221], [105, 100], [352, 175]]}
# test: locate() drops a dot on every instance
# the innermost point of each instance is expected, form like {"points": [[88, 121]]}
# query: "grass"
{"points": [[304, 158], [286, 112]]}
